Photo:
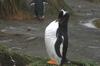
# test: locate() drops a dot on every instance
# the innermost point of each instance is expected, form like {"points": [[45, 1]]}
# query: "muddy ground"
{"points": [[28, 36]]}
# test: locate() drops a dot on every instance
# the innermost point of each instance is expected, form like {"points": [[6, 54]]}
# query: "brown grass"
{"points": [[21, 15]]}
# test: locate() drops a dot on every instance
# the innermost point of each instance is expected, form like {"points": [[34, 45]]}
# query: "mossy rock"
{"points": [[97, 23]]}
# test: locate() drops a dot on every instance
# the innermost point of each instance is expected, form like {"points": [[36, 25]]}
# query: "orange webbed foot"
{"points": [[52, 62]]}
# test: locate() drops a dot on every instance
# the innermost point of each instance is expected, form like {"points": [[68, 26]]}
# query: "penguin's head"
{"points": [[63, 16]]}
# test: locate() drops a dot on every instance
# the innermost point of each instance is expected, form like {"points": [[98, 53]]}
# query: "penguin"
{"points": [[56, 39]]}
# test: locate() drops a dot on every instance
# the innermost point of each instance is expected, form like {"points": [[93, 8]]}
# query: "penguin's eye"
{"points": [[60, 15]]}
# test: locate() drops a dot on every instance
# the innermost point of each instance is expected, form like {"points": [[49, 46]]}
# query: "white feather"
{"points": [[50, 39], [64, 12]]}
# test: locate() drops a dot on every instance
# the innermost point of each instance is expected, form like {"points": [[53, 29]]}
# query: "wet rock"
{"points": [[79, 6], [89, 23], [3, 30]]}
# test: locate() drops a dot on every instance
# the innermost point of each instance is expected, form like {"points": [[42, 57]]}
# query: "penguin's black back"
{"points": [[62, 33]]}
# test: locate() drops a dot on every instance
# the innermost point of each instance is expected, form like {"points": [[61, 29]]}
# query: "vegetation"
{"points": [[13, 9], [7, 55], [8, 58], [20, 9], [7, 7], [42, 62], [55, 5]]}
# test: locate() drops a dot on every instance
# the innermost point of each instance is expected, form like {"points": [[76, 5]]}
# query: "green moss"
{"points": [[6, 57], [25, 60], [3, 49]]}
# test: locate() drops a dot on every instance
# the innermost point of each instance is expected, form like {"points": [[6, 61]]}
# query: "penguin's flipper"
{"points": [[52, 62]]}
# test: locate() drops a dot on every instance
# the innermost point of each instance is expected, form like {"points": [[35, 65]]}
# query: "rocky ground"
{"points": [[86, 40], [28, 36]]}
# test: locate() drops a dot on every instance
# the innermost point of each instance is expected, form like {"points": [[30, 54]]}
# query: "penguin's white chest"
{"points": [[50, 39], [51, 30]]}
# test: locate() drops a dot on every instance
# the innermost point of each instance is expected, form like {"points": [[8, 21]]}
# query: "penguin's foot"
{"points": [[52, 62], [65, 61]]}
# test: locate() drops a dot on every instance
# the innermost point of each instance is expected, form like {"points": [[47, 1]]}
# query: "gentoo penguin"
{"points": [[56, 39]]}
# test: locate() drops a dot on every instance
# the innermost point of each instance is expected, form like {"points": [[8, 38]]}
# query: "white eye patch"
{"points": [[64, 12]]}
